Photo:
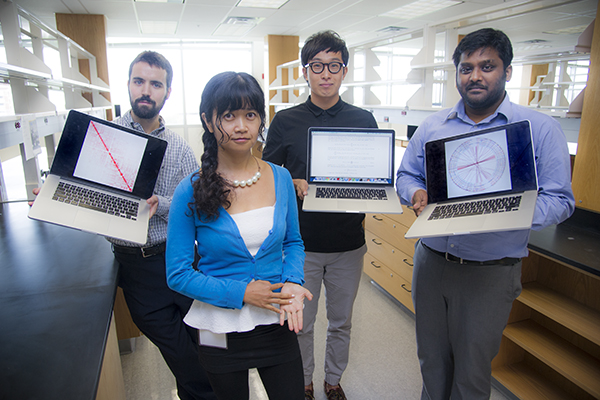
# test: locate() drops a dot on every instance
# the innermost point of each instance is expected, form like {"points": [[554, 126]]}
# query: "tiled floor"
{"points": [[383, 361]]}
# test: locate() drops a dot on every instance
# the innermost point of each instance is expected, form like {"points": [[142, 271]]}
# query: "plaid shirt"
{"points": [[179, 162]]}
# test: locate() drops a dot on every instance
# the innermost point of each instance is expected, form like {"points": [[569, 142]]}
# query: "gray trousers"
{"points": [[340, 273], [461, 311]]}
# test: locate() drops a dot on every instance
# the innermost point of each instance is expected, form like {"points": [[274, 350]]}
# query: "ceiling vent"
{"points": [[391, 29], [236, 26]]}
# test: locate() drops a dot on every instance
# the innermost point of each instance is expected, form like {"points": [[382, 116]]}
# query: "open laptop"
{"points": [[100, 178], [481, 181], [351, 170]]}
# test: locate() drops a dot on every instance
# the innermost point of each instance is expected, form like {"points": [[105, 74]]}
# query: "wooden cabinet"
{"points": [[389, 260], [551, 345]]}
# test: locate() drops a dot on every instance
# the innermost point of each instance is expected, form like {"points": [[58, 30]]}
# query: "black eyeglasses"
{"points": [[318, 67]]}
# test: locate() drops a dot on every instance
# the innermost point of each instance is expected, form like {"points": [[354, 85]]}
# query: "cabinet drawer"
{"points": [[390, 231], [406, 218], [393, 258], [389, 280]]}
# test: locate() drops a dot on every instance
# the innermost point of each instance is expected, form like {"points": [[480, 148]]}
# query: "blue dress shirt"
{"points": [[555, 201]]}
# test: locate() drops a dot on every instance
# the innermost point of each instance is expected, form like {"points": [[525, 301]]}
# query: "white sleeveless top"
{"points": [[254, 226]]}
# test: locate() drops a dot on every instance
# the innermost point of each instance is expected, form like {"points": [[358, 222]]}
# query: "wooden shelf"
{"points": [[525, 383], [563, 357], [573, 315]]}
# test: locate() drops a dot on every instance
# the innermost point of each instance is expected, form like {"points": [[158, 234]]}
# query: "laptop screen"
{"points": [[107, 154], [495, 160], [110, 157], [351, 155]]}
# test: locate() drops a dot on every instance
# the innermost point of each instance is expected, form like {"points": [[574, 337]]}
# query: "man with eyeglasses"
{"points": [[334, 242]]}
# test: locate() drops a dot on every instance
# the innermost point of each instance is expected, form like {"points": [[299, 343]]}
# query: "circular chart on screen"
{"points": [[477, 164]]}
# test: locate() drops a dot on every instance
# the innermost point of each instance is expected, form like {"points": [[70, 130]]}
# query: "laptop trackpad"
{"points": [[91, 221], [466, 224], [353, 206]]}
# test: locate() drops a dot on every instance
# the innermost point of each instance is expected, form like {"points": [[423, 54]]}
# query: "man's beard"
{"points": [[145, 111], [482, 103]]}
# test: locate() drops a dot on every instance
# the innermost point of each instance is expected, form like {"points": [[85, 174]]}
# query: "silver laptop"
{"points": [[351, 170], [100, 178], [482, 181]]}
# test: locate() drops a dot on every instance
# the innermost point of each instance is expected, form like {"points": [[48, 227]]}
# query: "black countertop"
{"points": [[575, 242], [57, 289]]}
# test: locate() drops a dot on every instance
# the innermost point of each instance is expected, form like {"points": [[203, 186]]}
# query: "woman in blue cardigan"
{"points": [[246, 275]]}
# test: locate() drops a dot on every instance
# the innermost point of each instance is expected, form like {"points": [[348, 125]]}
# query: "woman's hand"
{"points": [[261, 294], [295, 309]]}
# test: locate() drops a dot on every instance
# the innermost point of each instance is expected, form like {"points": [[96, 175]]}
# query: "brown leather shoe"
{"points": [[335, 393], [309, 393]]}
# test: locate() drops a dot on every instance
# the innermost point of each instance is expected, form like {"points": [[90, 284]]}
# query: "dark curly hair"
{"points": [[225, 92]]}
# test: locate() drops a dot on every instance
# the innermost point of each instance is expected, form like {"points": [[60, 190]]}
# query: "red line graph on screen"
{"points": [[111, 157], [477, 164]]}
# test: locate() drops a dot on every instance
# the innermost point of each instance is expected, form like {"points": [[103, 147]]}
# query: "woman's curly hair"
{"points": [[225, 92]]}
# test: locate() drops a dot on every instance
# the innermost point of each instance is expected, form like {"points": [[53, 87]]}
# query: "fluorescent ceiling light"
{"points": [[261, 3], [420, 7], [160, 1], [158, 27], [236, 26]]}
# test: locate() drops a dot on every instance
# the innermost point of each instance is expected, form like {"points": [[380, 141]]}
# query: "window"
{"points": [[192, 62]]}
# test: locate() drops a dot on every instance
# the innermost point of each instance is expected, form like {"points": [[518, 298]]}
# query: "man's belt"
{"points": [[141, 251], [452, 258]]}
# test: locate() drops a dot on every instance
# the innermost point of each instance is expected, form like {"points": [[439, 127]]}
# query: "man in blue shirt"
{"points": [[464, 286]]}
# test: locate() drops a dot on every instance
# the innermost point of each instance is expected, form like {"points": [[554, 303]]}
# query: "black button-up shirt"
{"points": [[287, 145]]}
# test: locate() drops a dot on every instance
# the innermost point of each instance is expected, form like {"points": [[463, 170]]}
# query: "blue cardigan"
{"points": [[226, 266]]}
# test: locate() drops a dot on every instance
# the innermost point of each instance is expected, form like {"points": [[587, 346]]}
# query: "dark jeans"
{"points": [[158, 312]]}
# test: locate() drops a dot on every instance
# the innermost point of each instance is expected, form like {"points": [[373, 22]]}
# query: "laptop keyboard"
{"points": [[98, 201], [478, 207], [350, 193]]}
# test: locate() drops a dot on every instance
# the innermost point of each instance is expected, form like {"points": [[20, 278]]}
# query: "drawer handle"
{"points": [[404, 287], [374, 241], [407, 263], [375, 265], [377, 219]]}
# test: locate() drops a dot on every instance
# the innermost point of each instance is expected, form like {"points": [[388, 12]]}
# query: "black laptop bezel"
{"points": [[522, 164], [311, 179], [71, 142]]}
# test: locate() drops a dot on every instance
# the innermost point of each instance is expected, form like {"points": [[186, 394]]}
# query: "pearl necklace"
{"points": [[248, 182]]}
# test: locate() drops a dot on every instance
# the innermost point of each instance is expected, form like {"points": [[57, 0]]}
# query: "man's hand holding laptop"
{"points": [[301, 187], [419, 201]]}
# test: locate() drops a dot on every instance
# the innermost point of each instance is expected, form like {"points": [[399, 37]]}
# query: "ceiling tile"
{"points": [[159, 11]]}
